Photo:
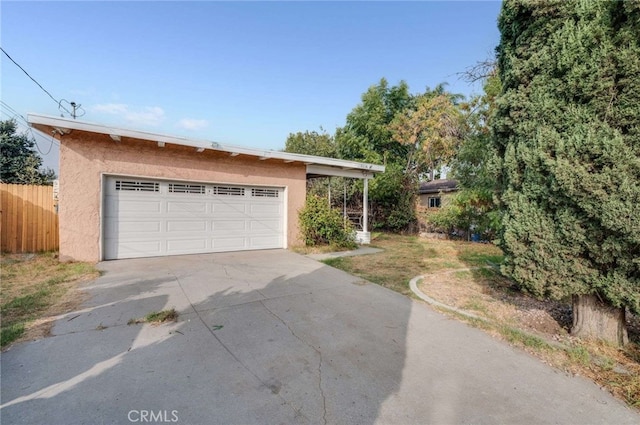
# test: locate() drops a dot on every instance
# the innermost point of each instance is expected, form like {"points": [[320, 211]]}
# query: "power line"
{"points": [[37, 83], [14, 115]]}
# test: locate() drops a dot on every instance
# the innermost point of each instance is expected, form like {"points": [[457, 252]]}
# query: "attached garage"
{"points": [[127, 193], [150, 218]]}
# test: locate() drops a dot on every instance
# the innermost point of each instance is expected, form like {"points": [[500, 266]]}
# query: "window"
{"points": [[434, 202], [186, 188], [137, 186], [265, 193], [228, 190]]}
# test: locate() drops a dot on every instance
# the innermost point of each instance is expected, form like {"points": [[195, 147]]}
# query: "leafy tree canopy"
{"points": [[19, 162], [431, 131], [311, 143], [410, 134], [472, 208], [366, 135]]}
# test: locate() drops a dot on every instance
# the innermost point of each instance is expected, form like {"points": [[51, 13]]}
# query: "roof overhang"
{"points": [[316, 165]]}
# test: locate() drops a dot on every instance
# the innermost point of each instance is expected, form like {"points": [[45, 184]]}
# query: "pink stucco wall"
{"points": [[85, 157]]}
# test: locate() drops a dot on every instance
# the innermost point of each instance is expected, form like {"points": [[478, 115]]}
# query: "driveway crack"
{"points": [[324, 399], [231, 353]]}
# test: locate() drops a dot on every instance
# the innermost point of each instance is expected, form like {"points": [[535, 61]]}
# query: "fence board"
{"points": [[28, 218]]}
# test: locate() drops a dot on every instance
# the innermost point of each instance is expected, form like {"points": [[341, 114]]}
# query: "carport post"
{"points": [[365, 206]]}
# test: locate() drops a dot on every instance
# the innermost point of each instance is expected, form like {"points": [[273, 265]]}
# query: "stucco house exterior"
{"points": [[127, 193]]}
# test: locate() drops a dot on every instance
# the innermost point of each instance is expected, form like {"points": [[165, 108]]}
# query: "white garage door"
{"points": [[149, 218]]}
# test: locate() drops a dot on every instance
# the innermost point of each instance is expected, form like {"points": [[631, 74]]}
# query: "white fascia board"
{"points": [[71, 124], [324, 170]]}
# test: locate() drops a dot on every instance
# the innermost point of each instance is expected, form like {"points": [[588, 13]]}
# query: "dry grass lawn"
{"points": [[465, 275]]}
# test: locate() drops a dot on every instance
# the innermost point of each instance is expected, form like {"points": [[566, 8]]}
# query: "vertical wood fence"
{"points": [[28, 218]]}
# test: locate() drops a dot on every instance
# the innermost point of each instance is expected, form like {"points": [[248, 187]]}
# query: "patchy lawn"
{"points": [[464, 275], [405, 257], [35, 289]]}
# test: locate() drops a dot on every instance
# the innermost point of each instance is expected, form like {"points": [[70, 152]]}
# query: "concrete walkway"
{"points": [[273, 337]]}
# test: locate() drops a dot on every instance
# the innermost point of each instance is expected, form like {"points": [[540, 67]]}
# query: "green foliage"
{"points": [[472, 208], [366, 135], [410, 134], [322, 225], [431, 130], [567, 141], [393, 200], [468, 210], [311, 143], [19, 162]]}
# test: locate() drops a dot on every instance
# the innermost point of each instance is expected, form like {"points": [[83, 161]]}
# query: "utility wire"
{"points": [[16, 114], [13, 114], [34, 80]]}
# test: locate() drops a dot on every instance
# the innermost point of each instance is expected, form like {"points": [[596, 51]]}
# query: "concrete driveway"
{"points": [[271, 337]]}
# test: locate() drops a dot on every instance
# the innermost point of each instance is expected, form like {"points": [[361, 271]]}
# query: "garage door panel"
{"points": [[186, 226], [268, 226], [186, 245], [229, 226], [231, 208], [229, 243], [145, 218], [262, 242], [265, 209], [182, 207], [115, 207], [133, 227], [133, 249]]}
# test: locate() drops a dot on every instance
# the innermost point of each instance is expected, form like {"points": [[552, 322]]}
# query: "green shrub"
{"points": [[393, 198], [322, 225]]}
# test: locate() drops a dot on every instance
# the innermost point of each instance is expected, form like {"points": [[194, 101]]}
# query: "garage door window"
{"points": [[186, 188], [137, 186], [264, 193], [228, 190]]}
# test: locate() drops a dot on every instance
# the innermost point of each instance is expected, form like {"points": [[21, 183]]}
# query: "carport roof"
{"points": [[316, 165]]}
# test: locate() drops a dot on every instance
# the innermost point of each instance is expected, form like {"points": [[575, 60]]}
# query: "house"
{"points": [[127, 193], [435, 193]]}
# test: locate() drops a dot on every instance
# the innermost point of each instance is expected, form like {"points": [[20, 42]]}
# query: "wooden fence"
{"points": [[28, 218]]}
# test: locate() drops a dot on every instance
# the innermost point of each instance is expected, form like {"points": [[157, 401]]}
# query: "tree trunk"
{"points": [[594, 319]]}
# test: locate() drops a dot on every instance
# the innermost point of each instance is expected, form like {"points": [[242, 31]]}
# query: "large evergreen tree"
{"points": [[19, 162], [567, 133]]}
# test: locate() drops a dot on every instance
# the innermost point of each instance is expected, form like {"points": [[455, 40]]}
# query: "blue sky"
{"points": [[243, 73]]}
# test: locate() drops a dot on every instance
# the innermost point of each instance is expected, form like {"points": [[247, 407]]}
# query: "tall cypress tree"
{"points": [[567, 133]]}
